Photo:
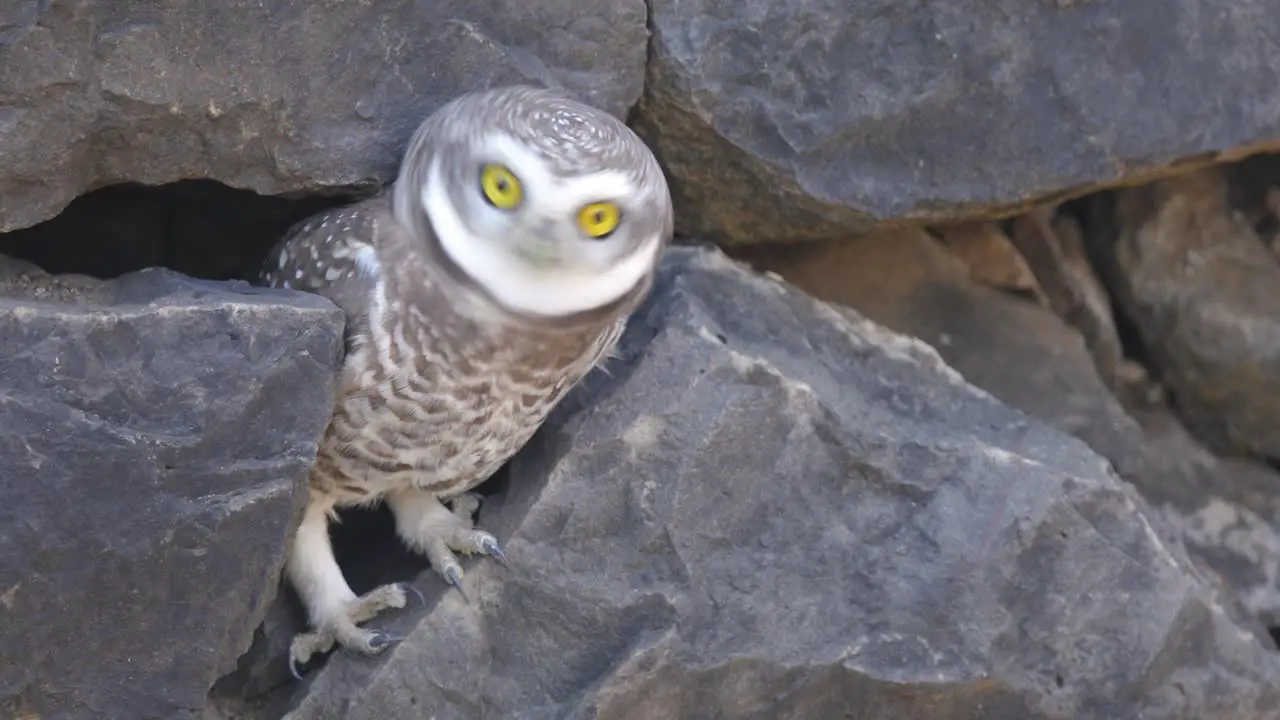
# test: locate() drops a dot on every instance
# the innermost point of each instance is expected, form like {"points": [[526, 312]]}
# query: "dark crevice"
{"points": [[650, 51], [1095, 214], [201, 228]]}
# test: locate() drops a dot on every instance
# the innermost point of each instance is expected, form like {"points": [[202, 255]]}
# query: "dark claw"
{"points": [[380, 640], [490, 546], [293, 668], [410, 588], [454, 576]]}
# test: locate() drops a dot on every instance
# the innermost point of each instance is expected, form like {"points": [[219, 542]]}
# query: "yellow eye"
{"points": [[597, 220], [500, 186]]}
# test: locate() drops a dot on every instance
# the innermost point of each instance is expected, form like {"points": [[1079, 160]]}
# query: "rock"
{"points": [[1053, 246], [272, 96], [158, 434], [1225, 510], [991, 257], [1204, 294], [769, 508], [792, 121], [1015, 350]]}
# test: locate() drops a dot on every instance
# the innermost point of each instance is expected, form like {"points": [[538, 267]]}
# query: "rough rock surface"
{"points": [[772, 509], [157, 435], [1225, 510], [787, 121], [904, 280], [1054, 247], [1204, 294], [990, 256], [273, 95]]}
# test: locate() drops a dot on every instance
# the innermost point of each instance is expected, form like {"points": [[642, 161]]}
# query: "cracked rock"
{"points": [[802, 120], [271, 96], [771, 508], [157, 435]]}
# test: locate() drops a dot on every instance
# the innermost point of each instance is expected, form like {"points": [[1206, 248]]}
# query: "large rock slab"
{"points": [[769, 508], [273, 95], [794, 120], [1225, 510], [157, 434]]}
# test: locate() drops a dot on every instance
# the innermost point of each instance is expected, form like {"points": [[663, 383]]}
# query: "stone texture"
{"points": [[1225, 510], [990, 256], [769, 508], [1204, 294], [1054, 247], [1017, 351], [799, 120], [157, 435], [271, 96]]}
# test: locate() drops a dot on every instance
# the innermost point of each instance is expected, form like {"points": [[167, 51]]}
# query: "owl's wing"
{"points": [[332, 254]]}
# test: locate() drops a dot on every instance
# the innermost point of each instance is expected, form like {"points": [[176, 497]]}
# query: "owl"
{"points": [[500, 266]]}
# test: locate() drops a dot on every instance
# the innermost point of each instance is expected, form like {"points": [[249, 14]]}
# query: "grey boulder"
{"points": [[797, 120], [770, 508], [1224, 510], [271, 95], [157, 434]]}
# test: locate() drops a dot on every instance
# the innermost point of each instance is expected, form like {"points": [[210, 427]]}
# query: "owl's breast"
{"points": [[438, 419]]}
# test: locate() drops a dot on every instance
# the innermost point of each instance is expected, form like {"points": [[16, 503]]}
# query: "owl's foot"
{"points": [[333, 609], [425, 525], [341, 627]]}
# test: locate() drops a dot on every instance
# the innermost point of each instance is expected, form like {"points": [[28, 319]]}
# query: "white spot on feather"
{"points": [[367, 261]]}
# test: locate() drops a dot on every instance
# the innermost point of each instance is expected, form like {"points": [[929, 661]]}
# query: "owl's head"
{"points": [[550, 206]]}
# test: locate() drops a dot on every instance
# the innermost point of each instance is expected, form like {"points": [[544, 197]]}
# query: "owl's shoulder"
{"points": [[333, 253]]}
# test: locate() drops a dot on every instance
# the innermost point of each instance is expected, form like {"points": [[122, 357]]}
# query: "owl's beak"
{"points": [[539, 247], [540, 255]]}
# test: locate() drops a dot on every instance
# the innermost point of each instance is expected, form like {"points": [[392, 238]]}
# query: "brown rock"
{"points": [[992, 259], [1054, 250], [1204, 294]]}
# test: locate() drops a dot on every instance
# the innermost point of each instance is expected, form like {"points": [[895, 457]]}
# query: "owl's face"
{"points": [[551, 206]]}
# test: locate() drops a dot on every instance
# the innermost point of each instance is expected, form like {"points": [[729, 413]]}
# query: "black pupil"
{"points": [[502, 184], [599, 216]]}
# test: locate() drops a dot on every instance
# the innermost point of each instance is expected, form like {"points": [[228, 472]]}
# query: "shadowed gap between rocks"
{"points": [[198, 227]]}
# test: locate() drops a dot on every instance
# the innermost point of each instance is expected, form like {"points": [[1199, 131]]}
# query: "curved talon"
{"points": [[453, 574], [293, 668], [489, 544], [410, 588], [381, 641]]}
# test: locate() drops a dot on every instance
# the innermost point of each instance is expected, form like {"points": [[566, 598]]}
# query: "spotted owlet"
{"points": [[500, 266]]}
